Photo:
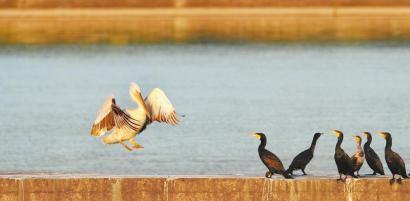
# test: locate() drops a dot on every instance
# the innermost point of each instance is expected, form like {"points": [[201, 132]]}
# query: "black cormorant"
{"points": [[271, 161], [394, 161], [372, 158], [358, 157], [303, 158], [343, 162]]}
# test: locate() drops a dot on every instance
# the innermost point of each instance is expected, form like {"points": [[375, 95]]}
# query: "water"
{"points": [[49, 97]]}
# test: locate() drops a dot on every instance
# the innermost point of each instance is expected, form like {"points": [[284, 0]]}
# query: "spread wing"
{"points": [[110, 116], [160, 108]]}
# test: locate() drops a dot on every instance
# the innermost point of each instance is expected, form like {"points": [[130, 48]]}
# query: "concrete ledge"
{"points": [[29, 4], [124, 188], [125, 26]]}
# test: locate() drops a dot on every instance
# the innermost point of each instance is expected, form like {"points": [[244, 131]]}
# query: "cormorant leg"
{"points": [[399, 180], [374, 173], [304, 173], [340, 178], [125, 145], [268, 174], [134, 143], [392, 180], [358, 173]]}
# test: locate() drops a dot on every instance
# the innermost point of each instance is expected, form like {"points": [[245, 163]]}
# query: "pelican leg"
{"points": [[134, 143], [125, 145]]}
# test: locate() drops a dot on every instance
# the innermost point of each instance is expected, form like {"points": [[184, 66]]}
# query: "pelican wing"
{"points": [[160, 108], [110, 116]]}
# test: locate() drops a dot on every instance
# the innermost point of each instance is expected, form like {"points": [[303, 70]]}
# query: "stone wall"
{"points": [[192, 3], [114, 188]]}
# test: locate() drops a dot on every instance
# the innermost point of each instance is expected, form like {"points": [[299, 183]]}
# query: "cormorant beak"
{"points": [[336, 132], [381, 134], [257, 136]]}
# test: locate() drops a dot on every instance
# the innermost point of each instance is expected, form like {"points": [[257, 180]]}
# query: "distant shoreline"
{"points": [[191, 25]]}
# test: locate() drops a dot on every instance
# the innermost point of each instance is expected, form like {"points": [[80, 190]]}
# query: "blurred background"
{"points": [[288, 68]]}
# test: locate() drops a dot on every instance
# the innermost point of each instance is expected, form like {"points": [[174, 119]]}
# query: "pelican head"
{"points": [[134, 87]]}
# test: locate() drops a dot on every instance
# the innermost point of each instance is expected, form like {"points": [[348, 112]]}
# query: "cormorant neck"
{"points": [[388, 144], [368, 142], [339, 142], [262, 145], [358, 146], [313, 145]]}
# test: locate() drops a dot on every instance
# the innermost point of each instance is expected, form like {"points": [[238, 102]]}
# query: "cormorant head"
{"points": [[367, 134], [337, 133], [358, 139], [317, 135], [259, 136], [385, 135]]}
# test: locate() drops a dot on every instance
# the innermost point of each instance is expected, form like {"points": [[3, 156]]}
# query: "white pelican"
{"points": [[125, 125]]}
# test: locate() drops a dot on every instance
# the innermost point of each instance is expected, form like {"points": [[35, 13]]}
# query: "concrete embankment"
{"points": [[27, 4], [185, 25], [124, 188]]}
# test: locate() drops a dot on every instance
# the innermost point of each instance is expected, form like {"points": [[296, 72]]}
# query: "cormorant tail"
{"points": [[286, 175], [289, 171], [353, 175]]}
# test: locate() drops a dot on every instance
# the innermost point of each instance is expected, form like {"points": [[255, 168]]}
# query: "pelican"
{"points": [[125, 125]]}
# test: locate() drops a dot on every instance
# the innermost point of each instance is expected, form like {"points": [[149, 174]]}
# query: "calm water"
{"points": [[50, 95]]}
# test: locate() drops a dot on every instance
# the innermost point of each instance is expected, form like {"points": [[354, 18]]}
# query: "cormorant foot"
{"points": [[399, 180], [392, 181], [268, 174]]}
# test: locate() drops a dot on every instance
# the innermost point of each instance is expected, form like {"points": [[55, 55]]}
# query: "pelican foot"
{"points": [[135, 144]]}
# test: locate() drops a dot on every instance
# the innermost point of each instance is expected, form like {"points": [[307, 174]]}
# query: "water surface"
{"points": [[50, 95]]}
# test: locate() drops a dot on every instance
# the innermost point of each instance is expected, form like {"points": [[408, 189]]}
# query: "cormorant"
{"points": [[125, 125], [302, 159], [372, 158], [394, 161], [358, 157], [271, 161], [343, 162]]}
